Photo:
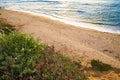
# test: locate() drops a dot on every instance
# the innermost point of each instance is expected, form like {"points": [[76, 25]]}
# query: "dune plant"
{"points": [[98, 65], [18, 55], [23, 58], [57, 67]]}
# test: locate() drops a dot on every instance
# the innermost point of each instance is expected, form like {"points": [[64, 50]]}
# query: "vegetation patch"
{"points": [[98, 65], [54, 66], [23, 58], [6, 28], [18, 55]]}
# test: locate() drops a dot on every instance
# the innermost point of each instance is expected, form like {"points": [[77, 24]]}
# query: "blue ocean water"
{"points": [[102, 15]]}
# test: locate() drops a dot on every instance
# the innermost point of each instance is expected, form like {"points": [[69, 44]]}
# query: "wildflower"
{"points": [[40, 65], [67, 62]]}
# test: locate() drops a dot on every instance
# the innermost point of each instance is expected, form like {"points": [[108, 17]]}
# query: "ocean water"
{"points": [[101, 15]]}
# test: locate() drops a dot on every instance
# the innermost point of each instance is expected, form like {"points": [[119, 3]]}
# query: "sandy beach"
{"points": [[79, 43]]}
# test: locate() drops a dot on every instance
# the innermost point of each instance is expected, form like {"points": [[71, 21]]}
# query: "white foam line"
{"points": [[76, 24]]}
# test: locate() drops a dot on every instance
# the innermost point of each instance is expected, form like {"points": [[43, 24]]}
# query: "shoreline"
{"points": [[74, 41], [73, 23]]}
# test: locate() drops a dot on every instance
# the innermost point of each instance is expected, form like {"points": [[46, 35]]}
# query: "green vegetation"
{"points": [[98, 65], [23, 58], [56, 67], [18, 55], [6, 28]]}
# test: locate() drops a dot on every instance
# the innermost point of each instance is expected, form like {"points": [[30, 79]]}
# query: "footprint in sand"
{"points": [[107, 51]]}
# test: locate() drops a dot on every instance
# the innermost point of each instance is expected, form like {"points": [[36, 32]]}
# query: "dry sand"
{"points": [[76, 42]]}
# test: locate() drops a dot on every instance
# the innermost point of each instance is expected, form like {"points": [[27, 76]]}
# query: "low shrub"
{"points": [[98, 65], [18, 55], [56, 67]]}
